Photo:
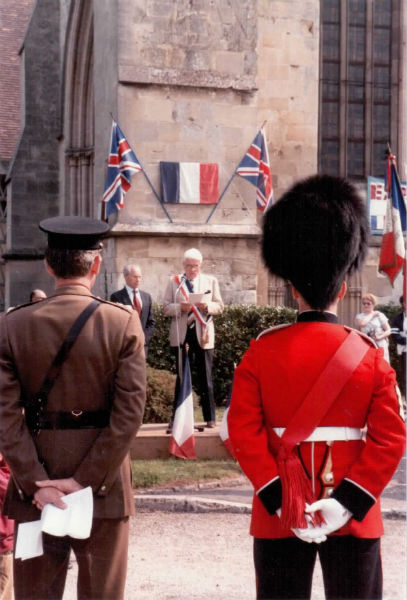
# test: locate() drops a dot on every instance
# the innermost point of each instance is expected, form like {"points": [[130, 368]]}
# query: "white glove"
{"points": [[310, 534], [334, 513]]}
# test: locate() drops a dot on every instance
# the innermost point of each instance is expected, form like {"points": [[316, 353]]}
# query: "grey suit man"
{"points": [[142, 302], [194, 328]]}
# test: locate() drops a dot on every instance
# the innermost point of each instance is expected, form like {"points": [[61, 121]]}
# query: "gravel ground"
{"points": [[189, 556]]}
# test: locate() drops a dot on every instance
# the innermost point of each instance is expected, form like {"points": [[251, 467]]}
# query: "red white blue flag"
{"points": [[189, 183], [393, 250], [255, 168], [123, 163], [224, 429], [182, 442]]}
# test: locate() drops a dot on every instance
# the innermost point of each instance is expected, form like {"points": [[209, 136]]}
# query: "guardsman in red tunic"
{"points": [[315, 419]]}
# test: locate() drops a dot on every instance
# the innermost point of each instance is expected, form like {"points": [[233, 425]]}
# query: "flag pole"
{"points": [[150, 183], [103, 216], [229, 182], [222, 194], [155, 193]]}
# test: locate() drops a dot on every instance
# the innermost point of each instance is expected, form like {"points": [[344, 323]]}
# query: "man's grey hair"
{"points": [[194, 254], [68, 263], [128, 268]]}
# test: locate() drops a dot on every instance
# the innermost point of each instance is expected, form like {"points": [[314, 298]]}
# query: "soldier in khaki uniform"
{"points": [[82, 436]]}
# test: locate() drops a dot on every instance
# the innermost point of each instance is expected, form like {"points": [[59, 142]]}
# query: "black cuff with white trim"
{"points": [[270, 495], [354, 498]]}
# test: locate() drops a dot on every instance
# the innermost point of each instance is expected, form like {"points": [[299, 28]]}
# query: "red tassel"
{"points": [[296, 491]]}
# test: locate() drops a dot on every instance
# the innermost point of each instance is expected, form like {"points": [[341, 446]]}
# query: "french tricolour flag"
{"points": [[189, 183], [182, 442], [393, 251], [123, 163]]}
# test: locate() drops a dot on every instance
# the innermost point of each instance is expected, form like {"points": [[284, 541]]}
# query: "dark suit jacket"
{"points": [[397, 326], [105, 370], [147, 314]]}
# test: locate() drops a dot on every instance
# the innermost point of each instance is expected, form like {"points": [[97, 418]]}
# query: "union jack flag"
{"points": [[255, 168], [123, 163]]}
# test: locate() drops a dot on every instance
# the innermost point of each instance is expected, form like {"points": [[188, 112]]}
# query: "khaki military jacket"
{"points": [[105, 370]]}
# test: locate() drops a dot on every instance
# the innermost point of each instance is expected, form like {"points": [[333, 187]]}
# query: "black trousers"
{"points": [[200, 361], [351, 568]]}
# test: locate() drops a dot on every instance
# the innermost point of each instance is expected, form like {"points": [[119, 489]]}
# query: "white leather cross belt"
{"points": [[330, 434]]}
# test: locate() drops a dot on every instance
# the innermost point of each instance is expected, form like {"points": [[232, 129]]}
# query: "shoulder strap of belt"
{"points": [[63, 352], [325, 390], [296, 488]]}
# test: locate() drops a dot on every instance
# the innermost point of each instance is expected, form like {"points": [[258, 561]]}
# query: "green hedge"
{"points": [[235, 327], [160, 394]]}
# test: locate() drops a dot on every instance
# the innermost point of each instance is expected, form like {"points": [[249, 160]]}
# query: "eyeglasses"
{"points": [[366, 303]]}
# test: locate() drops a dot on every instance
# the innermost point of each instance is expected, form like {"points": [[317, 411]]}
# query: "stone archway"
{"points": [[78, 113]]}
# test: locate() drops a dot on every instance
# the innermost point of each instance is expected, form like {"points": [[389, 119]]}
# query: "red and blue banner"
{"points": [[189, 183], [182, 442], [377, 202], [393, 249], [255, 168], [123, 163]]}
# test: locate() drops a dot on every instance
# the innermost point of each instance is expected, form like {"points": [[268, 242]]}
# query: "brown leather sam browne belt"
{"points": [[76, 419]]}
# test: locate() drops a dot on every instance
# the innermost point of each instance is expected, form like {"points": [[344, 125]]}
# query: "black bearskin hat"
{"points": [[315, 235]]}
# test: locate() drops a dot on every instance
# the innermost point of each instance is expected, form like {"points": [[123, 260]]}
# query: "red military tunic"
{"points": [[270, 383]]}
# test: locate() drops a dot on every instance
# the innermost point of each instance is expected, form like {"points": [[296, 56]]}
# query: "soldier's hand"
{"points": [[310, 534], [334, 513], [66, 486], [48, 495]]}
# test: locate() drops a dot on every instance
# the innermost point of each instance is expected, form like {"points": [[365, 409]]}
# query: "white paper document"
{"points": [[29, 540], [195, 298], [75, 521]]}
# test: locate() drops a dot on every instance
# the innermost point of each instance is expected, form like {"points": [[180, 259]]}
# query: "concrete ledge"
{"points": [[199, 504], [186, 230], [152, 442], [188, 503]]}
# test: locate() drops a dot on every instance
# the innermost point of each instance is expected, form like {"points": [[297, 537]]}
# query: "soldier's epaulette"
{"points": [[125, 307], [363, 335], [14, 308], [273, 329]]}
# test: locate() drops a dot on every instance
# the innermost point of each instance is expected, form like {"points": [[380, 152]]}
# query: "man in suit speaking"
{"points": [[192, 325], [139, 300]]}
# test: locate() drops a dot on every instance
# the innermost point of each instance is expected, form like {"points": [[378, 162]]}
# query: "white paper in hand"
{"points": [[75, 520], [29, 540]]}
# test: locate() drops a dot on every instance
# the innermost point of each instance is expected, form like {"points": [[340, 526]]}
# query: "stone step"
{"points": [[152, 442]]}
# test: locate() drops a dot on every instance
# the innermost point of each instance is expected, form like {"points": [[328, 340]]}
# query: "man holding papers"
{"points": [[72, 388], [191, 298]]}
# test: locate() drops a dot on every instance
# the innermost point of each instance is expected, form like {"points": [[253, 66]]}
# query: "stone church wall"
{"points": [[187, 81], [196, 81]]}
